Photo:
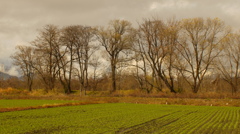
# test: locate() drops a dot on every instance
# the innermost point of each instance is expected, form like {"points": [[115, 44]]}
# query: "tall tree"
{"points": [[62, 60], [147, 51], [23, 58], [116, 39], [68, 40], [228, 64], [45, 62], [198, 47], [156, 47], [84, 51], [75, 41]]}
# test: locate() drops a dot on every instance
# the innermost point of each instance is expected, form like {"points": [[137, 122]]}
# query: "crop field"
{"points": [[123, 118]]}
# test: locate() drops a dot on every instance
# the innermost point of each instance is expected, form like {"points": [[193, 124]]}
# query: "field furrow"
{"points": [[123, 118]]}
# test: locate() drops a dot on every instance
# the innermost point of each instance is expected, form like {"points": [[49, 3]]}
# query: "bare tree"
{"points": [[68, 39], [141, 75], [61, 55], [199, 46], [95, 64], [23, 58], [84, 51], [156, 46], [228, 63], [147, 38], [45, 62], [116, 40]]}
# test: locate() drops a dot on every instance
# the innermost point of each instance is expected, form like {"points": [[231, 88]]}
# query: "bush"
{"points": [[12, 91]]}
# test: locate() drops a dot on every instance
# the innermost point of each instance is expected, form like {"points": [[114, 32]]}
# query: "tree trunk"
{"points": [[114, 85]]}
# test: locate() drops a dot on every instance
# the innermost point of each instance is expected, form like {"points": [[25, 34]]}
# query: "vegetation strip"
{"points": [[142, 100], [44, 106]]}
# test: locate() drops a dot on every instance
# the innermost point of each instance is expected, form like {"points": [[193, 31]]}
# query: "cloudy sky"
{"points": [[20, 19]]}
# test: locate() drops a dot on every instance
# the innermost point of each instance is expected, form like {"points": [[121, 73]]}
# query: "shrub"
{"points": [[11, 91]]}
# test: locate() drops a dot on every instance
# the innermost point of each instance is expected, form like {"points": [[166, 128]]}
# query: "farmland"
{"points": [[123, 118]]}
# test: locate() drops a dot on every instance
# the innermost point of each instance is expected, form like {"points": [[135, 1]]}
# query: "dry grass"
{"points": [[123, 96], [205, 95], [11, 91], [182, 101], [45, 106], [15, 93]]}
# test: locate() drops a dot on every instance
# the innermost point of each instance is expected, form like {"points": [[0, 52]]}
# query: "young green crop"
{"points": [[123, 118]]}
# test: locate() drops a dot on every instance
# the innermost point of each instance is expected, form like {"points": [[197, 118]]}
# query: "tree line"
{"points": [[157, 54]]}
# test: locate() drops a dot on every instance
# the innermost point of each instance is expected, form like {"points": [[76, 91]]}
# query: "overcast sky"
{"points": [[20, 19]]}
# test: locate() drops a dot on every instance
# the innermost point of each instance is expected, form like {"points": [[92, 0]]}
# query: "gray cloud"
{"points": [[19, 20]]}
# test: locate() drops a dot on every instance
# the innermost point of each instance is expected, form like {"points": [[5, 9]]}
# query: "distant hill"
{"points": [[5, 76]]}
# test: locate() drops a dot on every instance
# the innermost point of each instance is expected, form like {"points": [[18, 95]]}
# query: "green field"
{"points": [[28, 103], [123, 118]]}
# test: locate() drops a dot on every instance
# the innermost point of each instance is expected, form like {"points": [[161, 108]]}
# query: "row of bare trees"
{"points": [[53, 54], [159, 54]]}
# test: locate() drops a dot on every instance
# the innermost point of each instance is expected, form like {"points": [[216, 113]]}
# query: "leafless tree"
{"points": [[116, 39], [23, 58], [228, 63], [45, 62], [144, 73], [156, 47], [198, 47], [61, 55], [84, 51], [68, 39], [95, 64]]}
